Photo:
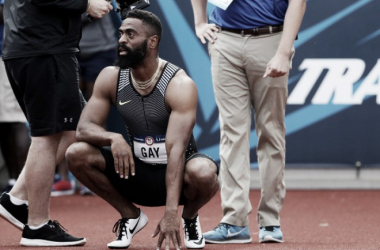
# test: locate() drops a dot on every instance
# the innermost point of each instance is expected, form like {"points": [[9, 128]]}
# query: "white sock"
{"points": [[17, 201], [38, 227]]}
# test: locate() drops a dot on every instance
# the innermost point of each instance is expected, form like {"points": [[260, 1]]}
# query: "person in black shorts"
{"points": [[40, 42], [158, 164]]}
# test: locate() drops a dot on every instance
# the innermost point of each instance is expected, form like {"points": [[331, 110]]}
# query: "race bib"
{"points": [[223, 4], [150, 149]]}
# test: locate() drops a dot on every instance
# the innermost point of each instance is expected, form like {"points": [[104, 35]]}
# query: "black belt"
{"points": [[256, 31]]}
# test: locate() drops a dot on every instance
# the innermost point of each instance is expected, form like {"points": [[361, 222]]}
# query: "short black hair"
{"points": [[150, 20]]}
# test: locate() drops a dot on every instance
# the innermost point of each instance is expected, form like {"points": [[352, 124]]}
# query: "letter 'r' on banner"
{"points": [[223, 4]]}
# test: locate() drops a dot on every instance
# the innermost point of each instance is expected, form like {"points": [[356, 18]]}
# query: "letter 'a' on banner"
{"points": [[223, 4]]}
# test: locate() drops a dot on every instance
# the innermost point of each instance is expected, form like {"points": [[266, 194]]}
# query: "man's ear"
{"points": [[153, 42]]}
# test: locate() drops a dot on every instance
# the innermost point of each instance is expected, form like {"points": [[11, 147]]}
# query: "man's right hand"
{"points": [[206, 31], [122, 156], [98, 8]]}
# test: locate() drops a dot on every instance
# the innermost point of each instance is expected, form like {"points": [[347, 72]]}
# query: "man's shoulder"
{"points": [[110, 71], [170, 67], [109, 76], [181, 77]]}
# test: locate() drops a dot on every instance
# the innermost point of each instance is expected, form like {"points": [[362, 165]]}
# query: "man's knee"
{"points": [[201, 171], [76, 155]]}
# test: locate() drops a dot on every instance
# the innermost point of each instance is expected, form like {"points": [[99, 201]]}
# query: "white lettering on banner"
{"points": [[338, 84], [370, 86]]}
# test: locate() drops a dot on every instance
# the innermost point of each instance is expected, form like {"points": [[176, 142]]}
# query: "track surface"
{"points": [[314, 220]]}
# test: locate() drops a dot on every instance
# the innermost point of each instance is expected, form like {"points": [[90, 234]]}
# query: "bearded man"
{"points": [[159, 165]]}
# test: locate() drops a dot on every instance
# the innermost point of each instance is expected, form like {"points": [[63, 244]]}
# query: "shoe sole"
{"points": [[234, 241], [193, 245], [12, 220], [189, 247], [62, 193], [125, 247], [86, 192], [269, 239], [47, 243], [118, 247]]}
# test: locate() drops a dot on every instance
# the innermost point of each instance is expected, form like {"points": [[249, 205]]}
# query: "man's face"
{"points": [[133, 44], [133, 57]]}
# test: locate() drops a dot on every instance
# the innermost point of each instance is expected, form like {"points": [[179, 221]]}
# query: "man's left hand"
{"points": [[168, 230]]}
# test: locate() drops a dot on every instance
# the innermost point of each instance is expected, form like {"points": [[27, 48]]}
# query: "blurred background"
{"points": [[333, 112]]}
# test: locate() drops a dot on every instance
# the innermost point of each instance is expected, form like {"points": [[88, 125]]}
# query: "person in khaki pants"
{"points": [[251, 49]]}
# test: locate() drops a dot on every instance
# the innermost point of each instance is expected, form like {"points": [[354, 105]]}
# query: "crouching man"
{"points": [[160, 166]]}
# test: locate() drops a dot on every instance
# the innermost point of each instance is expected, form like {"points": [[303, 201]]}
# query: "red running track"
{"points": [[328, 220]]}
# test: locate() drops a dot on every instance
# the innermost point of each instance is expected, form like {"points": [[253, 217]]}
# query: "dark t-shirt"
{"points": [[40, 27]]}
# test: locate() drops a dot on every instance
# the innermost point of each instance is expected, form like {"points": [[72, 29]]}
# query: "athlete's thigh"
{"points": [[147, 187]]}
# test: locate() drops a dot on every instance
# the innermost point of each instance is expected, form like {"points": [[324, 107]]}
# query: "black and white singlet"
{"points": [[146, 117]]}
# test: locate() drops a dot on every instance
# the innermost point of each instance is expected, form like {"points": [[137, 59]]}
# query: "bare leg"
{"points": [[201, 184], [60, 142], [68, 138], [38, 177], [19, 189], [39, 173], [36, 180], [63, 170], [87, 164]]}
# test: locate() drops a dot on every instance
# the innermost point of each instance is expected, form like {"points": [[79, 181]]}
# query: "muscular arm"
{"points": [[94, 117], [279, 65], [181, 97]]}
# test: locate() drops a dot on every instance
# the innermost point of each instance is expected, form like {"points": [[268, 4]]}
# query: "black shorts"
{"points": [[148, 186], [47, 89]]}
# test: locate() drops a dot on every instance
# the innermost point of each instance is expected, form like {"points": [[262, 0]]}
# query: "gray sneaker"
{"points": [[226, 233], [270, 234]]}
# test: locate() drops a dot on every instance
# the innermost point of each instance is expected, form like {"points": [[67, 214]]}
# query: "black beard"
{"points": [[133, 57]]}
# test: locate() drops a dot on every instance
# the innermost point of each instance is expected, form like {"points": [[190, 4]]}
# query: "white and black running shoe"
{"points": [[51, 234], [125, 229], [193, 233], [17, 215]]}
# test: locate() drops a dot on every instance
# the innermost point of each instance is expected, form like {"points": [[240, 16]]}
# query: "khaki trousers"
{"points": [[10, 110], [238, 64]]}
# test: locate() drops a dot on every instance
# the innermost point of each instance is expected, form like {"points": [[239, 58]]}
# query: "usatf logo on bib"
{"points": [[150, 148], [149, 140]]}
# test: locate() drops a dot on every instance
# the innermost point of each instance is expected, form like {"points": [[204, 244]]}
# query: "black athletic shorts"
{"points": [[47, 89], [148, 186]]}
